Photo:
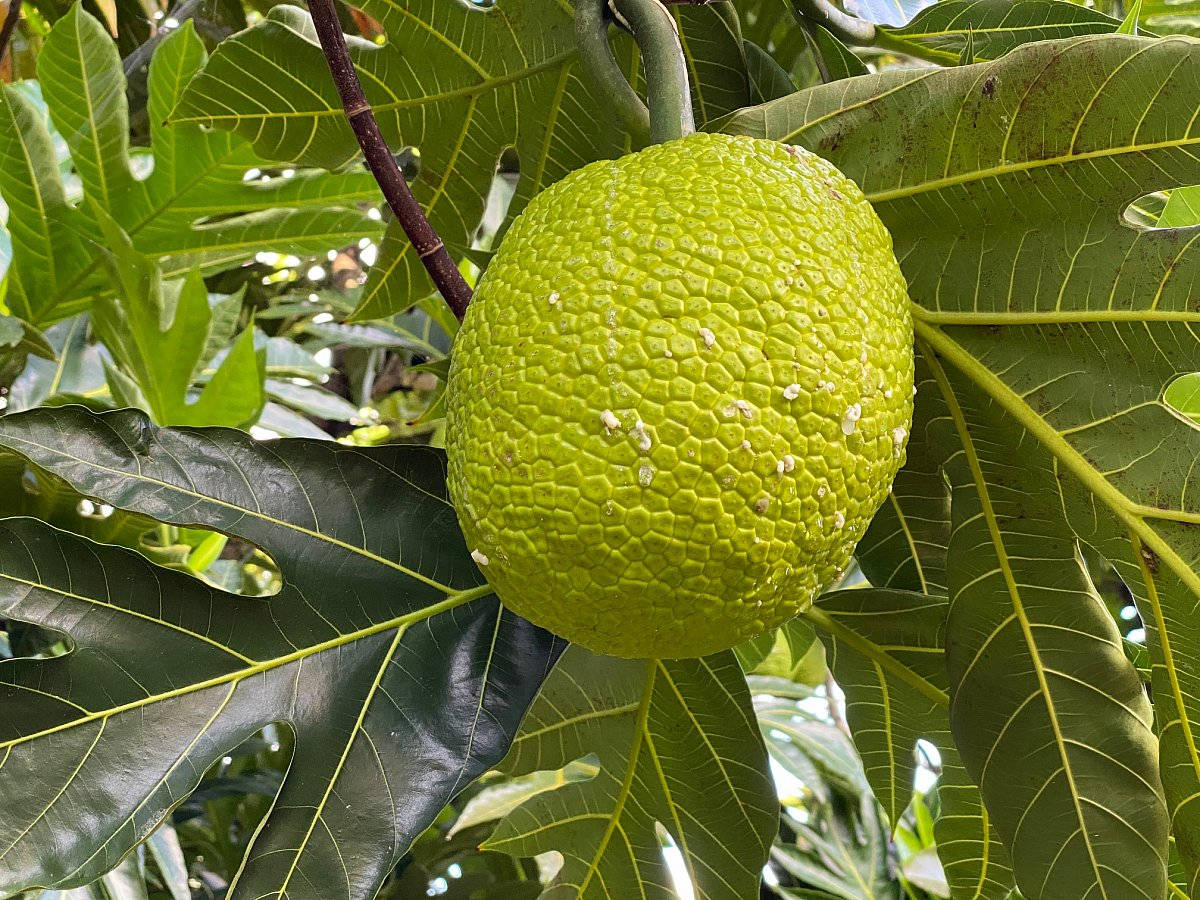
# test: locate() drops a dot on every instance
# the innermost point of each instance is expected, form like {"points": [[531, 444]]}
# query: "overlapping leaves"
{"points": [[678, 751], [400, 676], [1004, 186], [459, 81], [195, 207]]}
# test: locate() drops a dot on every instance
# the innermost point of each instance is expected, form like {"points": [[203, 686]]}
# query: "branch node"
{"points": [[382, 164]]}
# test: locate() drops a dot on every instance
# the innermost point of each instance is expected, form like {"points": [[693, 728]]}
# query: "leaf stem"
{"points": [[653, 27], [599, 64], [382, 164], [9, 26], [850, 29], [668, 89]]}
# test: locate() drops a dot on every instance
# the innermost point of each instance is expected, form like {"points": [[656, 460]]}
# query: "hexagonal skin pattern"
{"points": [[681, 391]]}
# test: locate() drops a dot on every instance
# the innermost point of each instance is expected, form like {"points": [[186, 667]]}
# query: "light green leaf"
{"points": [[677, 747], [497, 800], [1130, 24], [158, 331], [1182, 208], [194, 208], [1029, 284], [995, 27]]}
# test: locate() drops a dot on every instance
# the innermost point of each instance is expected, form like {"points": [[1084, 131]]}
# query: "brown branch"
{"points": [[9, 26], [425, 240]]}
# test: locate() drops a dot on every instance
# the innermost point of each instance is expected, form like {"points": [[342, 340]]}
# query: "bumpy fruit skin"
{"points": [[682, 389]]}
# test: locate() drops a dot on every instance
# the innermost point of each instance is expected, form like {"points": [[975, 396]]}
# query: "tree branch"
{"points": [[9, 26], [425, 240]]}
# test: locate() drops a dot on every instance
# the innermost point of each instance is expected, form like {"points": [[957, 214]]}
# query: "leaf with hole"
{"points": [[397, 671]]}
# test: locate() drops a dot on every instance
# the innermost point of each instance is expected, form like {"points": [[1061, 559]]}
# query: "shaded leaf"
{"points": [[676, 746], [399, 674]]}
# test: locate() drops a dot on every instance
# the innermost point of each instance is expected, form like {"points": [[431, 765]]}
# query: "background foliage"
{"points": [[256, 659]]}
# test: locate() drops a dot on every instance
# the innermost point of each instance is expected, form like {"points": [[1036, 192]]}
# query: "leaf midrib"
{"points": [[1018, 607], [259, 668], [1129, 513]]}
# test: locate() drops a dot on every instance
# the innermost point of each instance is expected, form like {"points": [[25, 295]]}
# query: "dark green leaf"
{"points": [[399, 674]]}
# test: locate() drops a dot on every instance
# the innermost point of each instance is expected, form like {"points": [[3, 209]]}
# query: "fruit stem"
{"points": [[591, 34], [668, 88], [654, 30], [382, 164]]}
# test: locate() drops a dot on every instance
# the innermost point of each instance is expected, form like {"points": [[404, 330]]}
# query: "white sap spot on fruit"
{"points": [[667, 353], [608, 507], [746, 445], [746, 409], [611, 317], [788, 462], [789, 280], [791, 392], [887, 394], [645, 475], [609, 420], [862, 357], [898, 435], [850, 419], [708, 337], [480, 557], [779, 467], [643, 436], [554, 298], [798, 263], [821, 491], [762, 504], [839, 519], [729, 411]]}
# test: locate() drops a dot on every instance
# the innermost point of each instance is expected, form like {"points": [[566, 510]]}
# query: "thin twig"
{"points": [[9, 26], [425, 240]]}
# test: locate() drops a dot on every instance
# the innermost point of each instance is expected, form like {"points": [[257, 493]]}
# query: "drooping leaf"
{"points": [[1028, 282], [995, 27], [886, 652], [1047, 712], [677, 747], [399, 675], [194, 209]]}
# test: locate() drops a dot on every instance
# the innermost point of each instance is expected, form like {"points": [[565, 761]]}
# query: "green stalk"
{"points": [[670, 114], [668, 89], [599, 64]]}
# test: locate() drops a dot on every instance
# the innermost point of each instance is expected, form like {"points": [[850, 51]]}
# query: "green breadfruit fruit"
{"points": [[681, 391]]}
